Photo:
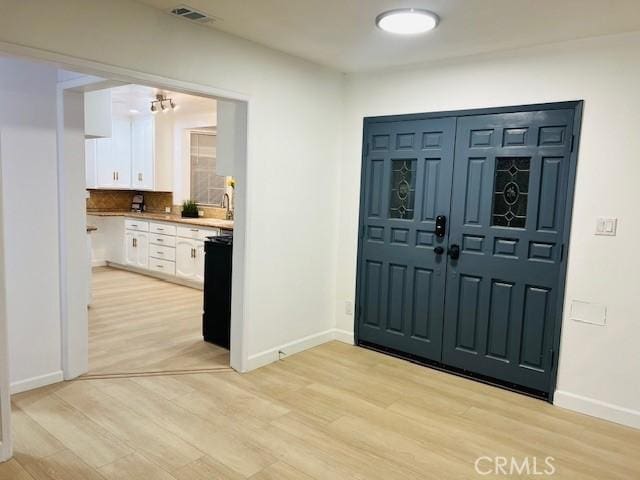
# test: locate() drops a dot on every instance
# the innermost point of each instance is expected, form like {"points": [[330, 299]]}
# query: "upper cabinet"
{"points": [[142, 152], [98, 114], [130, 158]]}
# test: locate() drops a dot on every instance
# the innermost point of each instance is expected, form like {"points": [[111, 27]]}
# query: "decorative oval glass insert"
{"points": [[511, 193], [403, 189]]}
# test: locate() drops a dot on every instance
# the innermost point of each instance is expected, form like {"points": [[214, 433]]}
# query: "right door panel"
{"points": [[507, 216]]}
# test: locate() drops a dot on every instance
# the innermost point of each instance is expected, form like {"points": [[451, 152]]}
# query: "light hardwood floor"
{"points": [[141, 324], [333, 412]]}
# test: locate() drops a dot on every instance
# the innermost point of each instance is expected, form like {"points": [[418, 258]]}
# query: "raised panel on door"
{"points": [[186, 265], [406, 185], [142, 247], [91, 173], [199, 261], [142, 152], [122, 151], [130, 252], [508, 203], [105, 166]]}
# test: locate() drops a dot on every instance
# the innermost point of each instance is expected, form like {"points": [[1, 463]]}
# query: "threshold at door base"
{"points": [[159, 373], [456, 371]]}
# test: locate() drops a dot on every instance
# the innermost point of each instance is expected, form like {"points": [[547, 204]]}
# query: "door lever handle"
{"points": [[454, 252]]}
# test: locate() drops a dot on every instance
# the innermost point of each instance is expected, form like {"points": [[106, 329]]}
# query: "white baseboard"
{"points": [[344, 336], [98, 263], [597, 408], [160, 276], [36, 382], [272, 355]]}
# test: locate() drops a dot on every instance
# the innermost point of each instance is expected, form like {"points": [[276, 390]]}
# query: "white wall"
{"points": [[5, 402], [293, 131], [75, 271], [598, 365], [30, 199]]}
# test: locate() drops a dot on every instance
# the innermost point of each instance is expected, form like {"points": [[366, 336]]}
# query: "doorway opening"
{"points": [[115, 199], [157, 194], [464, 222]]}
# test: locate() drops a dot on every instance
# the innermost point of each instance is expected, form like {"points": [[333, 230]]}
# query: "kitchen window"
{"points": [[207, 188]]}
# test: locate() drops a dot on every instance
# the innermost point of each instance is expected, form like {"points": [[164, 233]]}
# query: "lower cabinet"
{"points": [[190, 259], [164, 247], [136, 248]]}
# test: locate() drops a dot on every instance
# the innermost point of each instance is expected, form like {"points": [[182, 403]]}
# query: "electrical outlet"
{"points": [[167, 209], [201, 213], [606, 226], [348, 307]]}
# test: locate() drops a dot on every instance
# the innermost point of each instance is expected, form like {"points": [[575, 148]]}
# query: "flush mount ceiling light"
{"points": [[407, 21]]}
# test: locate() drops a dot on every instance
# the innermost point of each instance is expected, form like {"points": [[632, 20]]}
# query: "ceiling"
{"points": [[342, 34], [139, 97]]}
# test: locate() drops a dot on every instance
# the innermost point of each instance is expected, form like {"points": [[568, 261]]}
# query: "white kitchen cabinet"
{"points": [[136, 224], [136, 248], [138, 156], [196, 233], [103, 158], [110, 158], [190, 259], [200, 262], [122, 151], [172, 249], [97, 114], [162, 266], [90, 163], [142, 152]]}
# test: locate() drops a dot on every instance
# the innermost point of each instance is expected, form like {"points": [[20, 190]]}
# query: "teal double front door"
{"points": [[462, 239]]}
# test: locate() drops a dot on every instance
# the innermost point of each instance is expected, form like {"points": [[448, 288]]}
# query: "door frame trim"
{"points": [[577, 106]]}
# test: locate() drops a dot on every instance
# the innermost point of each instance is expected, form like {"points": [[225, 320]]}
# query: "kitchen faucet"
{"points": [[228, 206]]}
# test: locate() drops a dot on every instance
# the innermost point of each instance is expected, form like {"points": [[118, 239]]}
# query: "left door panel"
{"points": [[401, 280]]}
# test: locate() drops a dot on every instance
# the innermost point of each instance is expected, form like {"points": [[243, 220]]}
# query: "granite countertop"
{"points": [[167, 217]]}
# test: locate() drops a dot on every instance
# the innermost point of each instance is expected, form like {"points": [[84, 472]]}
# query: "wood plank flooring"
{"points": [[333, 412], [141, 324]]}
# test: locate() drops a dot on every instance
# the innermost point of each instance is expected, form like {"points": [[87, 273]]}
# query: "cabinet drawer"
{"points": [[140, 226], [162, 228], [162, 253], [165, 240], [163, 266], [197, 233]]}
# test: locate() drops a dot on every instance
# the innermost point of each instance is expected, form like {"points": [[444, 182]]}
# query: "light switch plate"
{"points": [[348, 307], [587, 312], [606, 226]]}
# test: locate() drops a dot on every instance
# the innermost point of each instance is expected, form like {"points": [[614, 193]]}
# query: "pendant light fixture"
{"points": [[161, 101]]}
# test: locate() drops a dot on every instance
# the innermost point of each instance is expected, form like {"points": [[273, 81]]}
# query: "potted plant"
{"points": [[190, 209]]}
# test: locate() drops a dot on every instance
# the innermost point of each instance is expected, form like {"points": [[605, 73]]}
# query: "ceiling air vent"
{"points": [[184, 11]]}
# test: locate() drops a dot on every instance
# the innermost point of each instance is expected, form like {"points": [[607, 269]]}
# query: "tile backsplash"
{"points": [[209, 212], [120, 200]]}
